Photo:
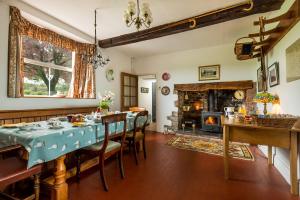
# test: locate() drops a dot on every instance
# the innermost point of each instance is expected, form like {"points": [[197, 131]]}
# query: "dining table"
{"points": [[44, 143]]}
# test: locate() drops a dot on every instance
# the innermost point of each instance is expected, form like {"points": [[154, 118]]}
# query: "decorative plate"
{"points": [[165, 90], [166, 76], [110, 74]]}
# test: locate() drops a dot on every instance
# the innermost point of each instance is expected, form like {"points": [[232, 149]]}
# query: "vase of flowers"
{"points": [[106, 101]]}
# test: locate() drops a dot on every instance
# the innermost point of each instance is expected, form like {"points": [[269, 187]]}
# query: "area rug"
{"points": [[209, 145]]}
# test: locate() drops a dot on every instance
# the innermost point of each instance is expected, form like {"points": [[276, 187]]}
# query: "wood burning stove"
{"points": [[211, 122]]}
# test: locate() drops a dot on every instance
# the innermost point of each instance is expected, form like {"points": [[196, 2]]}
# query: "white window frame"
{"points": [[50, 66]]}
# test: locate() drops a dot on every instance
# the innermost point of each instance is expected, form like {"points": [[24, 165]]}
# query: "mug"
{"points": [[229, 111]]}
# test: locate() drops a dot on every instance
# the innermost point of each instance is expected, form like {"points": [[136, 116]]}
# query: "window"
{"points": [[47, 69]]}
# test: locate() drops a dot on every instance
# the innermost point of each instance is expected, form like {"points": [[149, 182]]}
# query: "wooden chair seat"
{"points": [[111, 146], [14, 169]]}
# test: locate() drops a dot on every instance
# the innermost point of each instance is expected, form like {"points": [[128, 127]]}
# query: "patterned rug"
{"points": [[212, 146]]}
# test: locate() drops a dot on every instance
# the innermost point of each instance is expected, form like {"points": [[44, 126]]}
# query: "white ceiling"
{"points": [[79, 14]]}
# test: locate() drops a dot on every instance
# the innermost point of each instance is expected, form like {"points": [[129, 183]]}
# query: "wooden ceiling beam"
{"points": [[200, 21]]}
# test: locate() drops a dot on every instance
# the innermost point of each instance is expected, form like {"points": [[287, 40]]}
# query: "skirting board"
{"points": [[282, 166]]}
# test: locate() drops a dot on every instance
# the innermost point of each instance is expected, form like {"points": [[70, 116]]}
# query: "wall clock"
{"points": [[240, 94], [165, 90]]}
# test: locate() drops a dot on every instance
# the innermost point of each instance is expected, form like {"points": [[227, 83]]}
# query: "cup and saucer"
{"points": [[55, 125]]}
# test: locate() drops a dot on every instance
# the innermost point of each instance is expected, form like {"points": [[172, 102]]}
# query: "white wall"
{"points": [[119, 62], [145, 99], [183, 67], [289, 93]]}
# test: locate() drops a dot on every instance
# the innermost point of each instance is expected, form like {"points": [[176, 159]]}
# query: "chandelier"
{"points": [[134, 15], [97, 60]]}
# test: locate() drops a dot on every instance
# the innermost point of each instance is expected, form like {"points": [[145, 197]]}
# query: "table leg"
{"points": [[293, 163], [60, 187], [226, 151], [270, 155]]}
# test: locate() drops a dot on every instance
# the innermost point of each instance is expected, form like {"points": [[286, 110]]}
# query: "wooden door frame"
{"points": [[123, 74]]}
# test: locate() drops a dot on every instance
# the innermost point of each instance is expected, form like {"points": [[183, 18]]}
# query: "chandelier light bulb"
{"points": [[138, 16], [126, 17]]}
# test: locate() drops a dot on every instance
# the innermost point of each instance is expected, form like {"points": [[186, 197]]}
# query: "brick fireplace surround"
{"points": [[198, 94]]}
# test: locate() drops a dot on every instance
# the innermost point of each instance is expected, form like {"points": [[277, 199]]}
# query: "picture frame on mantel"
{"points": [[273, 74], [209, 72]]}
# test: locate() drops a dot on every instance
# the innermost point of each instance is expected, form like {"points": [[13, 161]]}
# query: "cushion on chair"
{"points": [[98, 146], [14, 169], [138, 136]]}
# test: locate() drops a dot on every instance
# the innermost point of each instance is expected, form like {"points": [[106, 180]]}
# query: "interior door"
{"points": [[129, 91]]}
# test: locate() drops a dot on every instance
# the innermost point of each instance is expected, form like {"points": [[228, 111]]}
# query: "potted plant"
{"points": [[106, 101]]}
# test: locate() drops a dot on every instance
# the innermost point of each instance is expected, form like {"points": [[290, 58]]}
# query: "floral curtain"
{"points": [[83, 83]]}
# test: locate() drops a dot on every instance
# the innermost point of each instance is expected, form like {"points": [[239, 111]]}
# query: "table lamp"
{"points": [[265, 98]]}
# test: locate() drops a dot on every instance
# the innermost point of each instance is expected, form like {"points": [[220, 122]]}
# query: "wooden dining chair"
{"points": [[9, 150], [107, 147], [14, 169], [138, 134]]}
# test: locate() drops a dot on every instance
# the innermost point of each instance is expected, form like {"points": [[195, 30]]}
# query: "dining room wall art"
{"points": [[260, 87], [209, 72], [109, 74], [273, 74], [293, 62], [165, 90], [144, 90], [166, 76]]}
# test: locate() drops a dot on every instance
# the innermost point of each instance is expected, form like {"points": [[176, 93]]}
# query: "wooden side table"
{"points": [[253, 134]]}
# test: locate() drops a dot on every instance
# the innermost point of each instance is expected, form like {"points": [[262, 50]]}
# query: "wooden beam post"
{"points": [[206, 19]]}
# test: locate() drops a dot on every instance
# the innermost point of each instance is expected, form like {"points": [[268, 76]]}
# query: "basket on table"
{"points": [[284, 122]]}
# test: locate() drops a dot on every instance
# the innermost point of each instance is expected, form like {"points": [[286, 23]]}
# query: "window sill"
{"points": [[51, 97]]}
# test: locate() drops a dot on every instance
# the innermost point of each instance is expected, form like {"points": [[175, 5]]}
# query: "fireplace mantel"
{"points": [[200, 87]]}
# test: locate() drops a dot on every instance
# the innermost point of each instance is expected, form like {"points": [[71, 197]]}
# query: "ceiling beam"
{"points": [[206, 19]]}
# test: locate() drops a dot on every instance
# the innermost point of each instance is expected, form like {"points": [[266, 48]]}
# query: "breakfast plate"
{"points": [[13, 125]]}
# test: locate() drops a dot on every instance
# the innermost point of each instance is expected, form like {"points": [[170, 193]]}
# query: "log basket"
{"points": [[277, 122]]}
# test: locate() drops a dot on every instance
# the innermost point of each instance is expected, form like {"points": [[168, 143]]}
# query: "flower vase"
{"points": [[104, 111]]}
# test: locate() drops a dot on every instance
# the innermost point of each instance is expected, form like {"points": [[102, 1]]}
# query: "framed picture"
{"points": [[260, 85], [293, 62], [144, 90], [273, 74], [210, 72]]}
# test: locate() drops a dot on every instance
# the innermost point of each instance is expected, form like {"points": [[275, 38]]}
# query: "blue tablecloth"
{"points": [[44, 144]]}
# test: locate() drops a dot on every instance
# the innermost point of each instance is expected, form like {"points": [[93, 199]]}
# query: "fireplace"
{"points": [[211, 121], [198, 101]]}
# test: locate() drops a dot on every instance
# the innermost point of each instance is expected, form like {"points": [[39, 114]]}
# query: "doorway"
{"points": [[147, 96]]}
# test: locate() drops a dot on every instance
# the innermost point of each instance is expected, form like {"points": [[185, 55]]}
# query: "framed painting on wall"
{"points": [[260, 85], [144, 90], [273, 74], [210, 72], [293, 62]]}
